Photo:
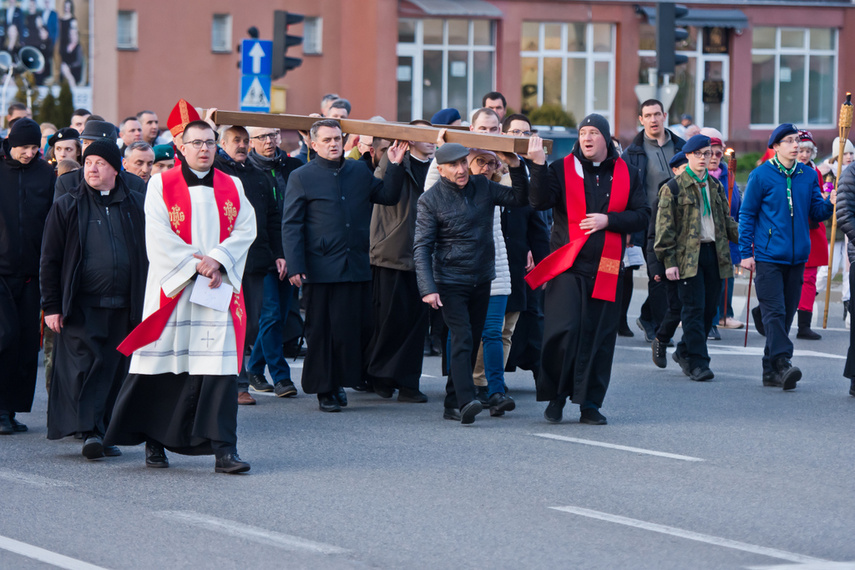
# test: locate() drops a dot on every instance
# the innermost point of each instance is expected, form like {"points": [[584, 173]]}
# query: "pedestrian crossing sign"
{"points": [[255, 93]]}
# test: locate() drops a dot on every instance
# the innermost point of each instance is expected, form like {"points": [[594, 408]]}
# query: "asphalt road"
{"points": [[723, 474]]}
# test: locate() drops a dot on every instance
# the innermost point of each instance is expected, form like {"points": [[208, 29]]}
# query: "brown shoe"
{"points": [[245, 399]]}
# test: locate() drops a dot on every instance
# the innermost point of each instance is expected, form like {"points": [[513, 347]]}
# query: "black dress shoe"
{"points": [[328, 403], [230, 464], [383, 390], [17, 426], [340, 397], [155, 456], [554, 411], [93, 447], [700, 374], [482, 396], [285, 389], [6, 427], [592, 416], [112, 451], [500, 403], [469, 411], [451, 414], [852, 387], [411, 396]]}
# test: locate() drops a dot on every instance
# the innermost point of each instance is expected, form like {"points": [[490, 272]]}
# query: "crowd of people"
{"points": [[175, 269]]}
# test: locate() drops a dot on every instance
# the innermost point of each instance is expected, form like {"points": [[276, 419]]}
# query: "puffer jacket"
{"points": [[454, 230], [846, 208], [501, 284]]}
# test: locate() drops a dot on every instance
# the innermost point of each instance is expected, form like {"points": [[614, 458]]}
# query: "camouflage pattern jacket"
{"points": [[678, 226]]}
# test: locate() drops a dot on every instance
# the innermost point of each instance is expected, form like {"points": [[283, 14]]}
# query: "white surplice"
{"points": [[197, 339]]}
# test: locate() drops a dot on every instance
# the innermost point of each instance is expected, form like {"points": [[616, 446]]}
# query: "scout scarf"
{"points": [[176, 194], [562, 259], [702, 182], [789, 174]]}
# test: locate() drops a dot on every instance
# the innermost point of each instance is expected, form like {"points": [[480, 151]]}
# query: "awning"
{"points": [[458, 8], [703, 18]]}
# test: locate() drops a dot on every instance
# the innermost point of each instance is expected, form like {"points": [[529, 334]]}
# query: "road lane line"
{"points": [[29, 479], [690, 535], [46, 556], [746, 351], [253, 533], [618, 447]]}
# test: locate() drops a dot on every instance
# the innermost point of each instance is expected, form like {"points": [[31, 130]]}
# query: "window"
{"points": [[126, 30], [313, 29], [793, 77], [444, 63], [221, 33], [569, 64]]}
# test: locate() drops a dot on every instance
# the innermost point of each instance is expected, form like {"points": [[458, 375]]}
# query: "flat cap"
{"points": [[781, 131], [697, 142], [450, 152]]}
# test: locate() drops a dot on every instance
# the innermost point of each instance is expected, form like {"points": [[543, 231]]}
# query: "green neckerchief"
{"points": [[702, 182], [789, 174]]}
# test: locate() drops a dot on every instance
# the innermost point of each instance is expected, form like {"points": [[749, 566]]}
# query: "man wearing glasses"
{"points": [[693, 227], [782, 197]]}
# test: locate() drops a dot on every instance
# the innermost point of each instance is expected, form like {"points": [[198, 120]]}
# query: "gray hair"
{"points": [[138, 145], [332, 123], [329, 97]]}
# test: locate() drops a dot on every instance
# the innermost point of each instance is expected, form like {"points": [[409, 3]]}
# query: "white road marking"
{"points": [[46, 556], [690, 535], [29, 479], [811, 566], [618, 447], [253, 533], [745, 351]]}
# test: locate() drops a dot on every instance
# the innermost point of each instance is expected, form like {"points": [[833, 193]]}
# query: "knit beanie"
{"points": [[599, 122], [106, 149], [25, 132]]}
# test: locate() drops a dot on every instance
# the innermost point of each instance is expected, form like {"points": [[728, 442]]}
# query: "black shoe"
{"points": [[383, 390], [659, 353], [683, 362], [700, 374], [787, 373], [771, 380], [363, 387], [758, 320], [328, 403], [411, 396], [155, 456], [112, 451], [482, 396], [500, 403], [17, 426], [845, 309], [624, 330], [451, 414], [340, 397], [285, 389], [713, 334], [294, 351], [852, 387], [805, 331], [647, 328], [93, 447], [592, 416], [259, 383], [554, 410], [6, 427], [469, 411], [230, 464]]}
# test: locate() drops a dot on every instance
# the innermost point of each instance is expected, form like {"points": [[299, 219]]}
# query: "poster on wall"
{"points": [[59, 31]]}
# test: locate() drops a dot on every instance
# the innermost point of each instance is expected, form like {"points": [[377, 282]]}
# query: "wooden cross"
{"points": [[391, 131]]}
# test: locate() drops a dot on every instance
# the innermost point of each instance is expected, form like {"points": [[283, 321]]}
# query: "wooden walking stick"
{"points": [[731, 167], [844, 124]]}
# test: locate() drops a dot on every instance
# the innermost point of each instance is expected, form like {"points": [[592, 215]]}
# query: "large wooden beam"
{"points": [[392, 131]]}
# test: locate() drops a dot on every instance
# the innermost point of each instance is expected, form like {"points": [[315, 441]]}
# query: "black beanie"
{"points": [[106, 149], [599, 122], [25, 132]]}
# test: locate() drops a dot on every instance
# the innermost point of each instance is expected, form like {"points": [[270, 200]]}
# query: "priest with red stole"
{"points": [[596, 200], [181, 393]]}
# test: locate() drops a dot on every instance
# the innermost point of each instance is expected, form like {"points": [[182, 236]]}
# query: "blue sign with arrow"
{"points": [[256, 57]]}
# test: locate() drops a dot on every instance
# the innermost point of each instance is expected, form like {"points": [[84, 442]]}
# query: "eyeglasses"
{"points": [[267, 137], [519, 133], [790, 140], [198, 143], [482, 162], [705, 154], [718, 153]]}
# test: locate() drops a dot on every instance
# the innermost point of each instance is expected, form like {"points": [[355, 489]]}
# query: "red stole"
{"points": [[176, 194], [562, 259]]}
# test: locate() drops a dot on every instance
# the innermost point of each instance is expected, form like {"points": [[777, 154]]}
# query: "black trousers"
{"points": [[656, 305], [19, 342], [671, 320], [396, 348], [579, 335], [338, 328], [849, 369], [699, 296], [88, 371], [779, 288], [464, 309], [527, 339], [253, 298]]}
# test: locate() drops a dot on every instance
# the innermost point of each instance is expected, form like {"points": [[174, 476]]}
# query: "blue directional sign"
{"points": [[255, 93], [256, 57]]}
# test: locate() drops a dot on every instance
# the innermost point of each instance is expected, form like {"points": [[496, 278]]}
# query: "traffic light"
{"points": [[282, 64], [667, 35]]}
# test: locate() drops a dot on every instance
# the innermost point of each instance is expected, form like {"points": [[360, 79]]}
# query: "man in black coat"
{"points": [[596, 199], [26, 194], [455, 259], [93, 271], [325, 236], [264, 255]]}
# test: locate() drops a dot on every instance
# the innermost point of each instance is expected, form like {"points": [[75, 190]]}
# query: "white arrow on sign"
{"points": [[257, 54]]}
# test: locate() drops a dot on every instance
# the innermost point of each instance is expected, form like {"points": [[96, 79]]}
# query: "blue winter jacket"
{"points": [[767, 230]]}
